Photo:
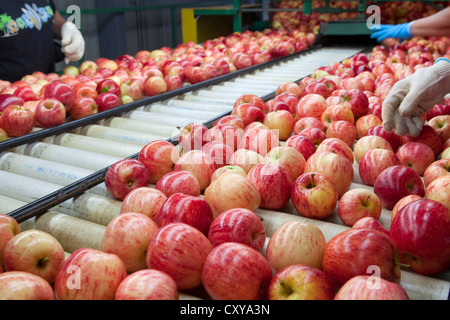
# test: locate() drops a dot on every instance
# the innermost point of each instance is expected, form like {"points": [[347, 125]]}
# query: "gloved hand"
{"points": [[414, 96], [72, 42], [399, 31]]}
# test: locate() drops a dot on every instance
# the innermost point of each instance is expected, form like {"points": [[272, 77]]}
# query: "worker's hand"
{"points": [[72, 42], [398, 31], [412, 97]]}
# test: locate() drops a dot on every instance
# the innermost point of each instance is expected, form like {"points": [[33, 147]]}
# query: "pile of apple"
{"points": [[48, 100], [188, 216]]}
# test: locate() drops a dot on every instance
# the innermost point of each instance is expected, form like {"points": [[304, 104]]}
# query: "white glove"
{"points": [[72, 42], [414, 96]]}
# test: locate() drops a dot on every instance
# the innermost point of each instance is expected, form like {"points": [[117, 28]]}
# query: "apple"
{"points": [[193, 136], [350, 83], [192, 210], [290, 87], [420, 230], [435, 170], [17, 121], [446, 153], [438, 110], [61, 91], [369, 223], [248, 112], [219, 152], [3, 134], [416, 155], [235, 271], [373, 162], [50, 113], [313, 134], [128, 236], [251, 99], [200, 164], [402, 202], [396, 182], [228, 169], [246, 159], [148, 284], [439, 190], [124, 176], [9, 227], [336, 167], [109, 85], [89, 274], [427, 136], [308, 122], [342, 129], [301, 143], [273, 182], [155, 85], [344, 256], [337, 146], [441, 124], [238, 225], [231, 120], [308, 107], [144, 200], [179, 250], [159, 157], [314, 195], [133, 88], [230, 191], [295, 242], [36, 252], [358, 203], [20, 285], [317, 88], [282, 121], [357, 100], [300, 282], [336, 112], [26, 93], [290, 98], [290, 158], [83, 107], [10, 99], [367, 143], [364, 287], [178, 182], [365, 122], [107, 100], [394, 140]]}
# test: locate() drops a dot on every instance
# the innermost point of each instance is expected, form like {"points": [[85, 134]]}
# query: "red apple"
{"points": [[10, 99], [336, 167], [50, 113], [231, 120], [300, 282], [337, 112], [435, 170], [17, 121], [250, 99], [219, 152], [367, 143], [438, 110], [358, 203], [248, 113], [441, 124], [373, 162], [83, 107], [403, 202], [61, 91], [394, 140], [148, 284], [338, 146], [124, 176], [155, 85], [357, 100], [230, 191], [89, 274], [416, 155], [234, 271], [19, 285], [365, 122], [128, 236], [308, 107], [133, 88], [290, 158], [238, 225], [281, 121], [295, 242], [439, 190], [9, 227], [364, 287], [179, 182], [370, 223], [179, 250], [144, 200], [260, 140], [421, 231], [303, 144], [107, 100], [344, 130], [396, 182], [308, 122], [108, 85], [192, 210], [200, 164], [193, 136], [427, 136], [345, 257]]}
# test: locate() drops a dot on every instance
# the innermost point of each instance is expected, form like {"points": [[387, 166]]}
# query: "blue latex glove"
{"points": [[399, 31]]}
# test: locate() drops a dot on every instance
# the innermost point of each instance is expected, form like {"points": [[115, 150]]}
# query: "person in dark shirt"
{"points": [[28, 30]]}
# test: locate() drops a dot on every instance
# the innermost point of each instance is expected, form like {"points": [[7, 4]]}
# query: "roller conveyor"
{"points": [[74, 163]]}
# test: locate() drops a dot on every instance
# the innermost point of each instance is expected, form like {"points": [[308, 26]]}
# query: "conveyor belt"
{"points": [[56, 184]]}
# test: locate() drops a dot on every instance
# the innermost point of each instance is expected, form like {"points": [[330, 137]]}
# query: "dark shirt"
{"points": [[26, 38]]}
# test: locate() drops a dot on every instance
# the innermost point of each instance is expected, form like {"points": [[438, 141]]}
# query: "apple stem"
{"points": [[43, 262], [403, 265], [365, 200], [286, 287]]}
